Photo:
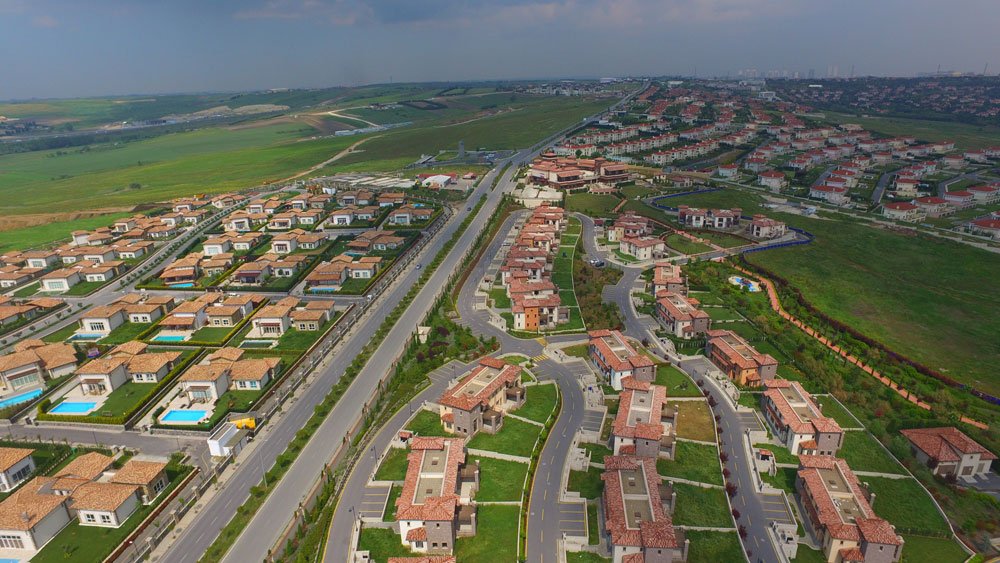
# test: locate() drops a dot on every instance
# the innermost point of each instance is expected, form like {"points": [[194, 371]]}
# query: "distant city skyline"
{"points": [[59, 49]]}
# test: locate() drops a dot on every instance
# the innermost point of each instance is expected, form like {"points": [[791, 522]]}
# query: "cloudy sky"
{"points": [[65, 48]]}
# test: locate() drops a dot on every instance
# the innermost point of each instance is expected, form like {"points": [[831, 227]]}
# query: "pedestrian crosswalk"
{"points": [[541, 340], [539, 358]]}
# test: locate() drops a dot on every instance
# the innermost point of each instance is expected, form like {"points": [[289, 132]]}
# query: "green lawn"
{"points": [[588, 483], [125, 333], [722, 314], [540, 402], [500, 298], [806, 555], [701, 507], [684, 245], [694, 462], [905, 505], [500, 480], [382, 544], [597, 451], [577, 351], [83, 288], [584, 557], [919, 549], [62, 334], [389, 515], [714, 547], [781, 453], [212, 159], [393, 466], [863, 453], [725, 240], [427, 423], [593, 525], [784, 479], [211, 334], [300, 340], [678, 384], [832, 409], [595, 205], [496, 535], [965, 136], [123, 399], [514, 438]]}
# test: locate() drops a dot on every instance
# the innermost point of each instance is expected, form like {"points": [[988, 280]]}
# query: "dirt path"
{"points": [[336, 113], [330, 160]]}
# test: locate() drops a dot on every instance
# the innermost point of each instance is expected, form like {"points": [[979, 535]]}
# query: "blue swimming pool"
{"points": [[73, 407], [181, 285], [79, 336], [167, 338], [182, 416], [17, 399]]}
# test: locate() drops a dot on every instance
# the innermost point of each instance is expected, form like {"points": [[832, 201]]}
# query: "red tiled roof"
{"points": [[945, 444], [658, 530], [508, 374]]}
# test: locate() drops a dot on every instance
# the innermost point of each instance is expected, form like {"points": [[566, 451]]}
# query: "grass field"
{"points": [[919, 549], [393, 466], [595, 205], [694, 462], [677, 383], [496, 535], [30, 237], [427, 423], [942, 315], [905, 504], [694, 421], [697, 506], [514, 438], [714, 547], [965, 136], [684, 245], [207, 160], [500, 480], [588, 483], [540, 401]]}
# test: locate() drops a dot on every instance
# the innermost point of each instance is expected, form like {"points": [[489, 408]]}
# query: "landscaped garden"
{"points": [[678, 384]]}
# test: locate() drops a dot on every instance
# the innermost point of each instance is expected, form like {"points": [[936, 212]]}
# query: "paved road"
{"points": [[264, 529], [881, 186], [547, 517], [755, 509]]}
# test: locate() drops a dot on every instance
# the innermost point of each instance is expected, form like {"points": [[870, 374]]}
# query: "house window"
{"points": [[105, 519], [21, 474], [89, 517], [11, 542], [158, 486]]}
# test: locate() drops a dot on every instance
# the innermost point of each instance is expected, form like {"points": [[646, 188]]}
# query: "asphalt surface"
{"points": [[755, 508]]}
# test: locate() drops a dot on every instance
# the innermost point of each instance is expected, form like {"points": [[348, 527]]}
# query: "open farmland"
{"points": [[965, 136], [203, 161]]}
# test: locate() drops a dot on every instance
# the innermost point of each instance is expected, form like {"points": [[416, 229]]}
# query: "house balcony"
{"points": [[466, 520], [468, 482], [667, 497], [492, 421], [515, 395], [668, 414], [667, 446]]}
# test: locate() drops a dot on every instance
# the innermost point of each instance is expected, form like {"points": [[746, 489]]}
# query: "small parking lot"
{"points": [[775, 509], [373, 503], [573, 519]]}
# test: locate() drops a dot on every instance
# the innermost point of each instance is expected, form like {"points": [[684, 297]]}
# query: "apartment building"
{"points": [[708, 218], [797, 421], [645, 425], [761, 227], [837, 512], [637, 507], [948, 451], [481, 398], [738, 359], [435, 505], [616, 359], [681, 316]]}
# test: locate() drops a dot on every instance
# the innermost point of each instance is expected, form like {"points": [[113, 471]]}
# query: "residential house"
{"points": [[708, 218], [933, 206], [274, 320], [435, 505], [797, 421], [616, 359], [644, 425], [637, 508], [410, 214], [16, 464], [985, 227], [667, 276], [761, 227], [772, 180], [948, 451], [681, 316], [902, 211], [738, 359], [481, 398], [33, 362], [836, 511], [643, 248], [831, 194]]}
